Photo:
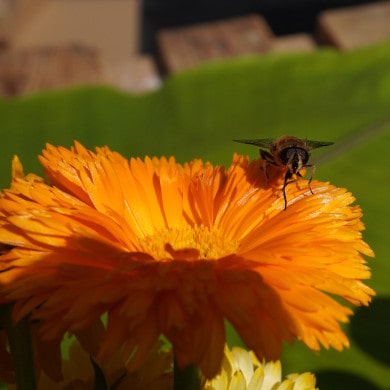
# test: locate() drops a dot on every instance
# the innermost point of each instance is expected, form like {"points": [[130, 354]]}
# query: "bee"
{"points": [[287, 151]]}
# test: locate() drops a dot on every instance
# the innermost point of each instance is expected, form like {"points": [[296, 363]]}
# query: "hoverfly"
{"points": [[288, 151]]}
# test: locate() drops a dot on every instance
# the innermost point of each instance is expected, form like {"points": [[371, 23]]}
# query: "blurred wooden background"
{"points": [[50, 44]]}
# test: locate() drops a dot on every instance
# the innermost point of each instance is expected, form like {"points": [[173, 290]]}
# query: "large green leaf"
{"points": [[325, 95]]}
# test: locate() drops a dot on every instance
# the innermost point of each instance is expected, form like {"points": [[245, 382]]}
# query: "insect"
{"points": [[288, 151]]}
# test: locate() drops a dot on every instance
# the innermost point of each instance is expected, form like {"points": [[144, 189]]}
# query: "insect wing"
{"points": [[316, 144], [261, 143]]}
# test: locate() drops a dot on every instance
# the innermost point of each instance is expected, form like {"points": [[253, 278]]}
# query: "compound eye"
{"points": [[287, 154], [304, 155]]}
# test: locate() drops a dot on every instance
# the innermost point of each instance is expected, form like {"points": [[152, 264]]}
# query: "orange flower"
{"points": [[172, 249]]}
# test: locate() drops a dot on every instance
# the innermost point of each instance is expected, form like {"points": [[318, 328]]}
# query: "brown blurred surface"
{"points": [[32, 70], [294, 43], [111, 26], [50, 44], [353, 27], [185, 47]]}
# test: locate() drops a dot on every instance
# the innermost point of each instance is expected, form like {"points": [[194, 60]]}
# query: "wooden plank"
{"points": [[182, 48], [32, 70], [353, 27], [294, 43]]}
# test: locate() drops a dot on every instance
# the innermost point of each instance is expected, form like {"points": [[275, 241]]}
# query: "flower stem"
{"points": [[19, 338], [187, 378]]}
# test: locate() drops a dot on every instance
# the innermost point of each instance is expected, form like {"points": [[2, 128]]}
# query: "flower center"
{"points": [[188, 243]]}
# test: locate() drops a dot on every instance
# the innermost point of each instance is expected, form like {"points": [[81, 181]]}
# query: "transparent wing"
{"points": [[262, 143], [317, 144]]}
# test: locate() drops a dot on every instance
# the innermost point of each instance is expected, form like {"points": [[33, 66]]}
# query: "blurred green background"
{"points": [[324, 95]]}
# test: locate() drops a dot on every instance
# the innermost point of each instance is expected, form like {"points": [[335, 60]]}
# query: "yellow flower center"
{"points": [[188, 243]]}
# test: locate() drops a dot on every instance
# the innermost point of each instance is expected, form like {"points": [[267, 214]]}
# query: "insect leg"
{"points": [[286, 178], [313, 169]]}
